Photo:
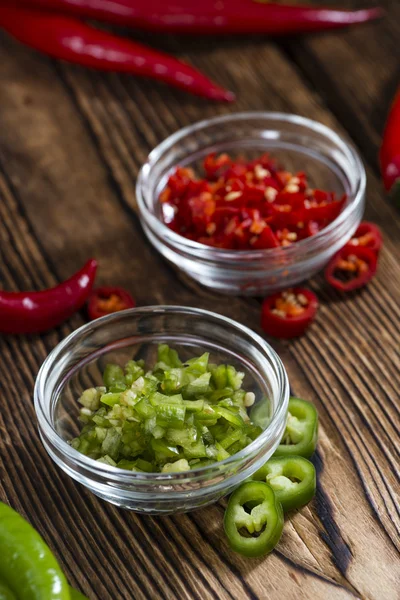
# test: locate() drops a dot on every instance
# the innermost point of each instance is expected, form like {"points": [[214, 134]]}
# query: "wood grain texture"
{"points": [[71, 145]]}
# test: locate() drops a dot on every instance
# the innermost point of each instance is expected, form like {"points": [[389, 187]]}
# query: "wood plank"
{"points": [[356, 72], [68, 191]]}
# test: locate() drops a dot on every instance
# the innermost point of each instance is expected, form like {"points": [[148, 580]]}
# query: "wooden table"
{"points": [[71, 144]]}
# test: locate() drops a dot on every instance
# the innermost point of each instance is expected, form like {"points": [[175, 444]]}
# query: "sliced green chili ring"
{"points": [[301, 433], [257, 532], [292, 478]]}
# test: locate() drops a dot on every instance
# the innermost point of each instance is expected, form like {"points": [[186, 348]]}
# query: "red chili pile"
{"points": [[246, 205]]}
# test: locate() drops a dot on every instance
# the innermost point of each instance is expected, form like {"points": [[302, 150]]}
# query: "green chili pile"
{"points": [[175, 417], [181, 416]]}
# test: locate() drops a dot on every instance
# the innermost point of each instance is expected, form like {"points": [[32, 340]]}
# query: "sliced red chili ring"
{"points": [[287, 314], [106, 300], [351, 268], [368, 235]]}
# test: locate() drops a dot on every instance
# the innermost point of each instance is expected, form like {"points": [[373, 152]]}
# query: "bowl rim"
{"points": [[307, 244], [46, 427]]}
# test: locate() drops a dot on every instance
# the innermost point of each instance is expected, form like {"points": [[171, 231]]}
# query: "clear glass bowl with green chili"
{"points": [[162, 409]]}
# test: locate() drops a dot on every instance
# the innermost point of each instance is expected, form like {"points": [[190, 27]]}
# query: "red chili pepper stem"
{"points": [[211, 17], [71, 40], [34, 312]]}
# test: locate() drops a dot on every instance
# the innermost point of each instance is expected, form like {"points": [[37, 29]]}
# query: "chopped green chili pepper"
{"points": [[176, 415], [292, 478], [114, 378], [27, 565], [256, 531], [301, 433], [260, 413]]}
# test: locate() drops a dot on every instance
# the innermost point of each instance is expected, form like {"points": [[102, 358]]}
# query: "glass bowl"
{"points": [[78, 362], [301, 145]]}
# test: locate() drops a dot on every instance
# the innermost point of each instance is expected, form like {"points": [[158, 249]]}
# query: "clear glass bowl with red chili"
{"points": [[296, 145], [79, 362]]}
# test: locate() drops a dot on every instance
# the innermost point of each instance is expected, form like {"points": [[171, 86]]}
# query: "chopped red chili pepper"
{"points": [[368, 235], [246, 205], [106, 300], [287, 314], [351, 268]]}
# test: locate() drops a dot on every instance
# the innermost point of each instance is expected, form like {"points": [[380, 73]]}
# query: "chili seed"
{"points": [[210, 229], [279, 313], [260, 172], [249, 399], [301, 299], [292, 188], [270, 194], [232, 196]]}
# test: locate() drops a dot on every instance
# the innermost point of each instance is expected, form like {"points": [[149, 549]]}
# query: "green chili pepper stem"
{"points": [[264, 523], [28, 566], [292, 478]]}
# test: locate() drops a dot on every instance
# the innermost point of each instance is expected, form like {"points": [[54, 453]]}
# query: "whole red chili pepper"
{"points": [[390, 151], [69, 39], [287, 314], [211, 16], [106, 300], [34, 312], [351, 268]]}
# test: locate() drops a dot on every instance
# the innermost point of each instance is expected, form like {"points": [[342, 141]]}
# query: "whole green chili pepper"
{"points": [[27, 565], [76, 595], [292, 478], [257, 530], [301, 433], [6, 593]]}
